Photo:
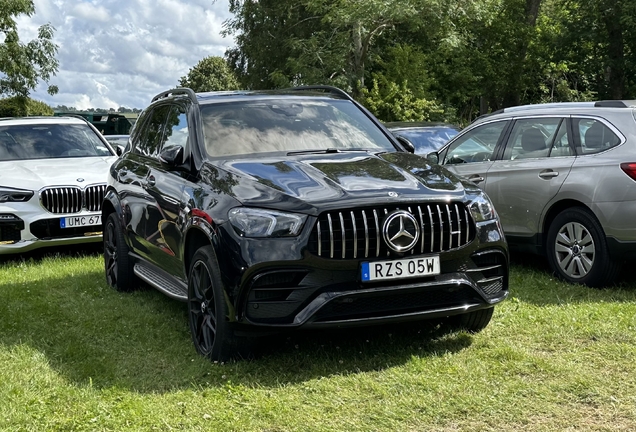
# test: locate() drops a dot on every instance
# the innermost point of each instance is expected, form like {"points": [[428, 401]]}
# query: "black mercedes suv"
{"points": [[294, 209]]}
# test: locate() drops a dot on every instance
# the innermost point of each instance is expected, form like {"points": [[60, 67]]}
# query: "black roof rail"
{"points": [[177, 91], [615, 104], [330, 89]]}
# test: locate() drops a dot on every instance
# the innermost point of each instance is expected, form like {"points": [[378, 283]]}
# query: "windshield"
{"points": [[259, 126], [46, 141], [429, 139]]}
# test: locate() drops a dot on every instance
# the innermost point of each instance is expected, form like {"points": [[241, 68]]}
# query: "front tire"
{"points": [[577, 249], [117, 263], [208, 311]]}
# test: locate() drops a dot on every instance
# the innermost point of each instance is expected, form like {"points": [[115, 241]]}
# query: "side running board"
{"points": [[161, 282]]}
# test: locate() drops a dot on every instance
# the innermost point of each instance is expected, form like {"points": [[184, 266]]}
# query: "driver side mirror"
{"points": [[408, 145], [433, 157], [119, 150]]}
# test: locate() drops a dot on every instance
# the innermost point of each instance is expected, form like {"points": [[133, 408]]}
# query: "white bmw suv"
{"points": [[52, 180]]}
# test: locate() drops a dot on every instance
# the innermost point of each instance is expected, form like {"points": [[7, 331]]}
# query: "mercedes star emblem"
{"points": [[400, 231]]}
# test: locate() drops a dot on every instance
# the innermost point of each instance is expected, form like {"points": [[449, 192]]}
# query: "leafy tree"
{"points": [[284, 42], [351, 30], [432, 58], [273, 38], [397, 103], [210, 74], [16, 106], [22, 65], [599, 40]]}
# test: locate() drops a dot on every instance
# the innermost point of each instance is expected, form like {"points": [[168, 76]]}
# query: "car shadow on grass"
{"points": [[92, 335], [532, 280]]}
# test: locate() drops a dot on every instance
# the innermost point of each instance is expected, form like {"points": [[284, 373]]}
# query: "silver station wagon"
{"points": [[562, 178]]}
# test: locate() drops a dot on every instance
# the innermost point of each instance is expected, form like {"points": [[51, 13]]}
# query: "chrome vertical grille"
{"points": [[93, 197], [357, 233], [72, 199]]}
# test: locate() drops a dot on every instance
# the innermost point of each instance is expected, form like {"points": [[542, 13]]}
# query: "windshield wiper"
{"points": [[324, 151]]}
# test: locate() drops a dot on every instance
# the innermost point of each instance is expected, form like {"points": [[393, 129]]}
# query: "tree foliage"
{"points": [[17, 106], [210, 74], [23, 65], [454, 56], [398, 103]]}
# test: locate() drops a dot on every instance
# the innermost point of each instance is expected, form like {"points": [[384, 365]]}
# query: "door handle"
{"points": [[151, 180], [476, 178], [548, 174]]}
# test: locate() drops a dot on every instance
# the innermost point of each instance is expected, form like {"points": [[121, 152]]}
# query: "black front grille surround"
{"points": [[10, 233], [357, 233], [491, 273], [11, 228], [72, 199]]}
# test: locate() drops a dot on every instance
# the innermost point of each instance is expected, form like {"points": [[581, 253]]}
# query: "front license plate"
{"points": [[400, 269], [80, 221]]}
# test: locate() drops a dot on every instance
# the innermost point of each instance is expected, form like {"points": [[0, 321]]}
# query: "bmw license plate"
{"points": [[80, 221], [400, 269]]}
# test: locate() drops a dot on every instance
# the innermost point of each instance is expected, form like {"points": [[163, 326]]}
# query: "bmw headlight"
{"points": [[251, 222], [8, 194], [481, 208]]}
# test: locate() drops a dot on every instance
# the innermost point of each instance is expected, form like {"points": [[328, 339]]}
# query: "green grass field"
{"points": [[76, 355]]}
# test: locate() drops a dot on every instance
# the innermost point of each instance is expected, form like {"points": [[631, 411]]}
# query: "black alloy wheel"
{"points": [[577, 249], [207, 308], [117, 264]]}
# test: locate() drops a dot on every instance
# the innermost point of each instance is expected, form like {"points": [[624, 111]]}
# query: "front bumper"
{"points": [[284, 285], [27, 226]]}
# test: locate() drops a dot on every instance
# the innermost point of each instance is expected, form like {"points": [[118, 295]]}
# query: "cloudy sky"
{"points": [[116, 53]]}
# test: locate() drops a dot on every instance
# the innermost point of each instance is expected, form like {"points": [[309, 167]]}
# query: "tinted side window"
{"points": [[151, 136], [537, 138], [594, 136], [177, 128], [477, 145]]}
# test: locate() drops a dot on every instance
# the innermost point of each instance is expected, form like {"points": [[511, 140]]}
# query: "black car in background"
{"points": [[294, 209], [425, 137]]}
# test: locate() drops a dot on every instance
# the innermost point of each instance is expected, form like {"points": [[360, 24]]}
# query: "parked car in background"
{"points": [[114, 140], [52, 180], [562, 178], [119, 142], [425, 137], [294, 209]]}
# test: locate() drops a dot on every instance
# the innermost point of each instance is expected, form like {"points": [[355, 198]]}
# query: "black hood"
{"points": [[315, 182]]}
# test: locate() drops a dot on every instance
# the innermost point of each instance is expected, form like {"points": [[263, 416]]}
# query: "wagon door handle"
{"points": [[476, 178], [548, 174], [151, 180]]}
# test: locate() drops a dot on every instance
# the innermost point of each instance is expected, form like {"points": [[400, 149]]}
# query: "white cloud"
{"points": [[90, 12], [123, 52]]}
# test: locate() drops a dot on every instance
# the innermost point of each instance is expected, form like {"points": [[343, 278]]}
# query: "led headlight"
{"points": [[250, 222], [8, 194], [481, 208]]}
